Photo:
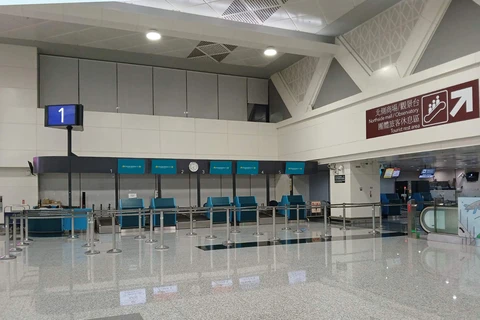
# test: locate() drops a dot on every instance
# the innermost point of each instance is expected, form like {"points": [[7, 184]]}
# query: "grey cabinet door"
{"points": [[257, 91], [98, 85], [58, 80], [170, 92], [232, 98], [135, 89], [202, 95]]}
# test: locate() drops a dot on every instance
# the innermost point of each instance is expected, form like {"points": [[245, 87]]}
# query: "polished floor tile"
{"points": [[362, 277]]}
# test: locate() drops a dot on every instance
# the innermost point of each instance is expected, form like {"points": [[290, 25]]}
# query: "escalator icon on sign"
{"points": [[435, 108]]}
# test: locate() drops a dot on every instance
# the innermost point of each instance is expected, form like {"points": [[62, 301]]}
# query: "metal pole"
{"points": [[87, 235], [258, 233], [344, 228], [374, 229], [72, 234], [161, 246], [22, 243], [211, 236], [235, 230], [325, 226], [114, 239], [274, 235], [7, 255], [92, 250], [228, 242], [15, 249], [27, 239], [151, 240], [298, 231], [140, 232], [286, 223], [191, 233]]}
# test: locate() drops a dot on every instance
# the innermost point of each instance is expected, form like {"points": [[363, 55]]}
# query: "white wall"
{"points": [[18, 103], [337, 132]]}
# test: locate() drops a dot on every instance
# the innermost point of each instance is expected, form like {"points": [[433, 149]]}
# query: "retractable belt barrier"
{"points": [[26, 213]]}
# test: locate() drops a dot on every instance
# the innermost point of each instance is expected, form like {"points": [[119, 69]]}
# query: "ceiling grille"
{"points": [[261, 4], [264, 14], [214, 49], [220, 57], [245, 17], [211, 51], [195, 53], [235, 7]]}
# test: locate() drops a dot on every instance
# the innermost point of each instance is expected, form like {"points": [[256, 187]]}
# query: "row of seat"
{"points": [[242, 215]]}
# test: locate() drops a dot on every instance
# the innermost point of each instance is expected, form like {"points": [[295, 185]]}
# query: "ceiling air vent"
{"points": [[261, 4]]}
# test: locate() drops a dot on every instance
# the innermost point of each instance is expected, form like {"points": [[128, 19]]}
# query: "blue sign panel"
{"points": [[295, 168], [164, 166], [247, 167], [63, 115], [220, 167], [131, 166]]}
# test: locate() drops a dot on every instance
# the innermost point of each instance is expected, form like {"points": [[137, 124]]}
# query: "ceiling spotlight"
{"points": [[153, 35], [270, 52]]}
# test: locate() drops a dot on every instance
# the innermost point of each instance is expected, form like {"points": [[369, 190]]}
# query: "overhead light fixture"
{"points": [[153, 35], [270, 52]]}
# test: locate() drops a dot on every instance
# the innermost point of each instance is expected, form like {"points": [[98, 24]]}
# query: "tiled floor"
{"points": [[370, 278]]}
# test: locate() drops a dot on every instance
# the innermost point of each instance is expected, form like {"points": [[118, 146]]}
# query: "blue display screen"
{"points": [[295, 168], [131, 166], [247, 167], [164, 166], [220, 167], [61, 115]]}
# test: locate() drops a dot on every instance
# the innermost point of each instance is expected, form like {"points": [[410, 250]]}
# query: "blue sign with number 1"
{"points": [[62, 115]]}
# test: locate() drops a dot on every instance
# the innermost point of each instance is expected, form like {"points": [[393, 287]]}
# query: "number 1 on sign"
{"points": [[62, 111]]}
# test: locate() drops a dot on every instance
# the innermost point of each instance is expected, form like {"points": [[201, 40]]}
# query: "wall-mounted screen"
{"points": [[471, 176], [295, 168], [396, 172], [63, 116], [388, 173], [220, 167], [131, 166], [164, 166], [427, 173]]}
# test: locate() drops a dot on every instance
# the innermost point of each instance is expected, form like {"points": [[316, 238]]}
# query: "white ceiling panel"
{"points": [[220, 6], [280, 14], [282, 24], [43, 30], [160, 4], [303, 8], [8, 22], [202, 9], [179, 53], [182, 4], [89, 35], [332, 10], [308, 23]]}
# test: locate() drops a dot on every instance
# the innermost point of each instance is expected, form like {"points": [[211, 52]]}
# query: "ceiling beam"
{"points": [[181, 25]]}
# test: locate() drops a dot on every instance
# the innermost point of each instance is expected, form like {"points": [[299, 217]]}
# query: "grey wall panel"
{"points": [[244, 186], [178, 187], [320, 186], [143, 185], [301, 186], [337, 86], [257, 91], [273, 190], [232, 98], [54, 186], [388, 185], [99, 189], [135, 89], [227, 187], [170, 92], [202, 95], [58, 80], [193, 190], [259, 184], [277, 108], [98, 85], [457, 35], [210, 186]]}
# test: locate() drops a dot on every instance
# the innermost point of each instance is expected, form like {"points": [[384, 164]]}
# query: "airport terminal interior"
{"points": [[239, 159]]}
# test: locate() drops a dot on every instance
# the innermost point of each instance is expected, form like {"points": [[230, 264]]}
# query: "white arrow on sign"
{"points": [[466, 97]]}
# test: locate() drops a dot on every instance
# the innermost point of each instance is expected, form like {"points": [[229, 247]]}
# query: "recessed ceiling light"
{"points": [[153, 35], [270, 52]]}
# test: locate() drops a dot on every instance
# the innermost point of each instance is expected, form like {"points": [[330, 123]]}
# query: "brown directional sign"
{"points": [[452, 104]]}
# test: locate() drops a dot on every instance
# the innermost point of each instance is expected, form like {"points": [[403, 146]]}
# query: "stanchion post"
{"points": [[274, 237], [298, 231], [151, 239], [374, 229], [72, 234], [229, 242], [22, 242], [162, 246], [114, 238], [27, 239], [7, 255], [15, 248], [92, 250], [87, 235], [258, 233], [140, 233], [235, 229], [344, 227], [211, 236], [191, 233], [286, 223], [326, 235]]}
